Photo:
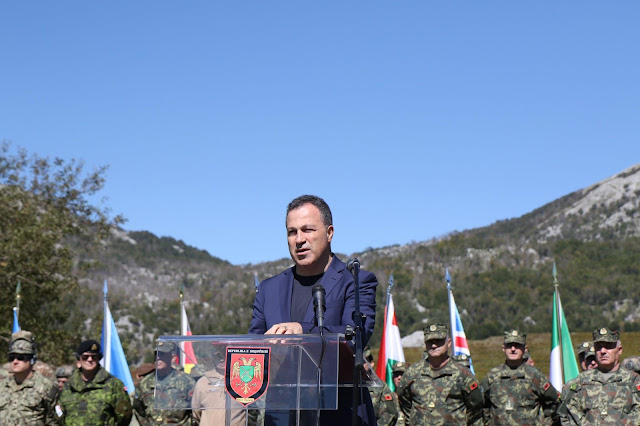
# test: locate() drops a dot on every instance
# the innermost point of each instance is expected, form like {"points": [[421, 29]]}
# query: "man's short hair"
{"points": [[318, 202]]}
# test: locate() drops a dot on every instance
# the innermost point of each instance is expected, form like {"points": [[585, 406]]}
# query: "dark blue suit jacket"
{"points": [[273, 301], [273, 306]]}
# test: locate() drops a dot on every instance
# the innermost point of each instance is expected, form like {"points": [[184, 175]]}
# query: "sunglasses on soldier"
{"points": [[19, 357]]}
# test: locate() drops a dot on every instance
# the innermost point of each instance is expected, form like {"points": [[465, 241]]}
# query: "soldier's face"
{"points": [[438, 347], [514, 351], [62, 381], [309, 239], [608, 354], [89, 361], [590, 363], [19, 363], [163, 362], [396, 379]]}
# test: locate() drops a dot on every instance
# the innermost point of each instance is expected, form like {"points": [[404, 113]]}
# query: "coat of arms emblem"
{"points": [[247, 373]]}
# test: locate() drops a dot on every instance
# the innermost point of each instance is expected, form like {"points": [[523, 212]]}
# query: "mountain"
{"points": [[501, 274]]}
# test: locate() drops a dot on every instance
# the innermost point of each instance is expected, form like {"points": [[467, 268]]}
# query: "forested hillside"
{"points": [[501, 273]]}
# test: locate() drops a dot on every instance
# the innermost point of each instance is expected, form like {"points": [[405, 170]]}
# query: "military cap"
{"points": [[435, 331], [632, 363], [90, 346], [22, 342], [590, 352], [584, 347], [64, 371], [515, 336], [399, 367], [367, 354], [605, 334], [462, 359], [166, 347]]}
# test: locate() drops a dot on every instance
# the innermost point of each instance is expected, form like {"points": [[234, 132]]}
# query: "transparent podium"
{"points": [[300, 375]]}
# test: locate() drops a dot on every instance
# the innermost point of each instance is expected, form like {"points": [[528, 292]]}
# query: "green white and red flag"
{"points": [[391, 346]]}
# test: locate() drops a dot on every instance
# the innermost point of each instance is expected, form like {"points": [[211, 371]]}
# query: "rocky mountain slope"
{"points": [[501, 274]]}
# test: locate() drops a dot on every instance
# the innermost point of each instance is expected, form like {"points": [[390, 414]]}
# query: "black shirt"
{"points": [[301, 295]]}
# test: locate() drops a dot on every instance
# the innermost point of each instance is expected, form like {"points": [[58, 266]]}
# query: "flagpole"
{"points": [[452, 325], [18, 297], [558, 313], [106, 329], [183, 326]]}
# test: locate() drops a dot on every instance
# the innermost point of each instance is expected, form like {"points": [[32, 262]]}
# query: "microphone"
{"points": [[318, 293], [352, 263]]}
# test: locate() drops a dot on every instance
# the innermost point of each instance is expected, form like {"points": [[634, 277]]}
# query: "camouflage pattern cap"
{"points": [[515, 336], [605, 334], [462, 359], [166, 347], [64, 371], [435, 331], [632, 363], [590, 352], [90, 346], [399, 367], [584, 347], [22, 342]]}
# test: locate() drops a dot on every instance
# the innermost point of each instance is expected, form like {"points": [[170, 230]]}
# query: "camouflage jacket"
{"points": [[450, 395], [174, 393], [385, 405], [521, 396], [592, 400], [102, 401], [28, 403]]}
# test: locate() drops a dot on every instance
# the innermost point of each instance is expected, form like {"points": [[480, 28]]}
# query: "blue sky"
{"points": [[412, 119]]}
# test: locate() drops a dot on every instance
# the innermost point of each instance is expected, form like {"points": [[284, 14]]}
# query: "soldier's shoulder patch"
{"points": [[638, 387], [388, 397], [546, 386], [473, 385], [574, 386], [123, 407]]}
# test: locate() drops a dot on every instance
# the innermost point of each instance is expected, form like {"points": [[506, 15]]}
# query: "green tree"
{"points": [[43, 204]]}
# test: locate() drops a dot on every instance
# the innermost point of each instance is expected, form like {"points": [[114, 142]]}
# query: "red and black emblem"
{"points": [[246, 373]]}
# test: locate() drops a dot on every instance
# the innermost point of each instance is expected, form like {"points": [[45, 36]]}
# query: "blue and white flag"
{"points": [[113, 355], [458, 337], [16, 325]]}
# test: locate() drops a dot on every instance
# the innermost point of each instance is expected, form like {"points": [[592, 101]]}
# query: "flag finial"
{"points": [[554, 272], [391, 282], [181, 291], [447, 277], [105, 288]]}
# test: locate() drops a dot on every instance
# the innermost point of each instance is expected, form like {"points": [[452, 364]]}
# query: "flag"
{"points": [[16, 325], [187, 356], [390, 346], [459, 343], [562, 366], [113, 359], [256, 282]]}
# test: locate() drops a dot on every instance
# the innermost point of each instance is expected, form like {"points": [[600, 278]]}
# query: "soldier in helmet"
{"points": [[515, 392], [385, 402], [26, 397], [92, 395], [436, 390], [62, 375], [605, 395], [172, 389]]}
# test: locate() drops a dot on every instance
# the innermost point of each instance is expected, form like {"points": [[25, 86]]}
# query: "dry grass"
{"points": [[487, 353]]}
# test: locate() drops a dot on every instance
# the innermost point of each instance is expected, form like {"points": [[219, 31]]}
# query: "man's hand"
{"points": [[285, 328]]}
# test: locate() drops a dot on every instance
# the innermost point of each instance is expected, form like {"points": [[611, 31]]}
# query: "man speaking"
{"points": [[284, 304]]}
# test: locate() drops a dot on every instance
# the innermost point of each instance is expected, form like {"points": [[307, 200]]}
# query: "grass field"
{"points": [[487, 353]]}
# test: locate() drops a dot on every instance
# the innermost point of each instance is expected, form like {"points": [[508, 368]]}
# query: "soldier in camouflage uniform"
{"points": [[436, 390], [515, 392], [589, 363], [581, 350], [463, 360], [173, 389], [62, 375], [26, 397], [92, 396], [607, 395], [385, 401]]}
